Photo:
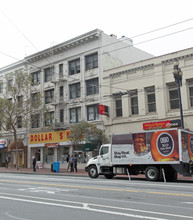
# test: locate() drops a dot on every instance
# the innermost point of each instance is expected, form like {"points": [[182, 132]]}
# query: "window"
{"points": [[49, 96], [49, 118], [118, 107], [35, 97], [61, 93], [191, 92], [20, 101], [74, 67], [91, 61], [92, 86], [35, 121], [151, 103], [9, 83], [35, 78], [173, 96], [61, 70], [1, 87], [92, 112], [48, 73], [104, 150], [61, 115], [75, 115], [74, 91], [19, 122], [134, 102]]}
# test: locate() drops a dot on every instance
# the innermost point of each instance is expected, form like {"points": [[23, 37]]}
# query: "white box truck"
{"points": [[156, 153]]}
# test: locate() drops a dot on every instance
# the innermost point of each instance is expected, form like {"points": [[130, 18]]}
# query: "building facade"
{"points": [[69, 78], [146, 91]]}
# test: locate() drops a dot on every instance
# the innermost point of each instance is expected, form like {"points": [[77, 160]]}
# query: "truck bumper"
{"points": [[86, 169]]}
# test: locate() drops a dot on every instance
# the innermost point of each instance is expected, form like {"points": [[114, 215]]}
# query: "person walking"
{"points": [[68, 162], [75, 164], [6, 161], [34, 164], [72, 163]]}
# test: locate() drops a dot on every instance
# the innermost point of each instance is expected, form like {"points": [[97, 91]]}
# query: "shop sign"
{"points": [[3, 143], [49, 137], [103, 110], [51, 145], [161, 124]]}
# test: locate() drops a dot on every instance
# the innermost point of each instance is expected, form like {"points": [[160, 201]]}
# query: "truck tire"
{"points": [[92, 172], [152, 173]]}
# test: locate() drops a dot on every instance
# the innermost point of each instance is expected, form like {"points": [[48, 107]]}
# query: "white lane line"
{"points": [[84, 207], [97, 205]]}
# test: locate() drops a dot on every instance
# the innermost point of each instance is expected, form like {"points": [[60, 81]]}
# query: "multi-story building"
{"points": [[145, 91], [70, 78]]}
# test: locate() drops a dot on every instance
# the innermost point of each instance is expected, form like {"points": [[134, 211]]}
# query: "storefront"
{"points": [[3, 152], [48, 147]]}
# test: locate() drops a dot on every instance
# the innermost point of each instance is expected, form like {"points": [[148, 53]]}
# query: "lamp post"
{"points": [[178, 79]]}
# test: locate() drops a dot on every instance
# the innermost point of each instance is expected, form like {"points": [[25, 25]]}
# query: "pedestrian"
{"points": [[68, 162], [75, 163], [34, 164], [72, 163], [6, 161]]}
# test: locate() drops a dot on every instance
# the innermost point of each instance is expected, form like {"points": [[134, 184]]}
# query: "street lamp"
{"points": [[178, 79]]}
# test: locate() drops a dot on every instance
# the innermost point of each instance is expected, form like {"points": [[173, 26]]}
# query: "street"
{"points": [[28, 197]]}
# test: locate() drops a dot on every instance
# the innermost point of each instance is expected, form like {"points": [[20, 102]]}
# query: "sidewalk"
{"points": [[63, 172]]}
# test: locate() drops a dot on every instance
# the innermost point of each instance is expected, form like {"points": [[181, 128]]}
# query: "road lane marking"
{"points": [[87, 206], [99, 188], [83, 207]]}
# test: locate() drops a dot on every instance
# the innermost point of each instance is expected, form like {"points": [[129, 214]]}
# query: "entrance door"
{"points": [[20, 159]]}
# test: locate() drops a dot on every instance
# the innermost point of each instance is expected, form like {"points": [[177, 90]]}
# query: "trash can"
{"points": [[56, 167]]}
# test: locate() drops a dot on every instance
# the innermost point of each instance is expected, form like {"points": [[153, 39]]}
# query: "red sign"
{"points": [[103, 110], [161, 124]]}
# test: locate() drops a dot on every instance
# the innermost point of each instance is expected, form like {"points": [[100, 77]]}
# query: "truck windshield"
{"points": [[104, 150]]}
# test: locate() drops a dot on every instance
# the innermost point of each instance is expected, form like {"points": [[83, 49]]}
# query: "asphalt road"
{"points": [[43, 197]]}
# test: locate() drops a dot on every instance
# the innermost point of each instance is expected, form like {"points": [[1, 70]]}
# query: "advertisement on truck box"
{"points": [[146, 147]]}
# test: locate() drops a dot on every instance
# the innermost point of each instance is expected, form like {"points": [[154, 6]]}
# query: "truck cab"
{"points": [[100, 164]]}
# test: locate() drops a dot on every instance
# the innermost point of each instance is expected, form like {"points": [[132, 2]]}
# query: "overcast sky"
{"points": [[29, 26]]}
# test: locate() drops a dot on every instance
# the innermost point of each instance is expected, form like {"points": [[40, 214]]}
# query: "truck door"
{"points": [[104, 156]]}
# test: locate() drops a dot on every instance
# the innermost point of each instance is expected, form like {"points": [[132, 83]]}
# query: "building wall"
{"points": [[112, 52], [138, 76]]}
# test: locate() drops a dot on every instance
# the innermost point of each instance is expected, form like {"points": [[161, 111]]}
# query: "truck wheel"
{"points": [[152, 173], [92, 172], [109, 176]]}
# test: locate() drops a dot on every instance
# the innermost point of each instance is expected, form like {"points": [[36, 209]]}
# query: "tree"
{"points": [[87, 132], [17, 105]]}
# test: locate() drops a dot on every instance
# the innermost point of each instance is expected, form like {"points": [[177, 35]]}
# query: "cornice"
{"points": [[59, 48]]}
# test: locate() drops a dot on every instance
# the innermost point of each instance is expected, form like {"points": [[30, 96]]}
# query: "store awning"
{"points": [[88, 147]]}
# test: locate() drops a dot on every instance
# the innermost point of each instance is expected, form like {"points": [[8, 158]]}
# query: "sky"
{"points": [[29, 26]]}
